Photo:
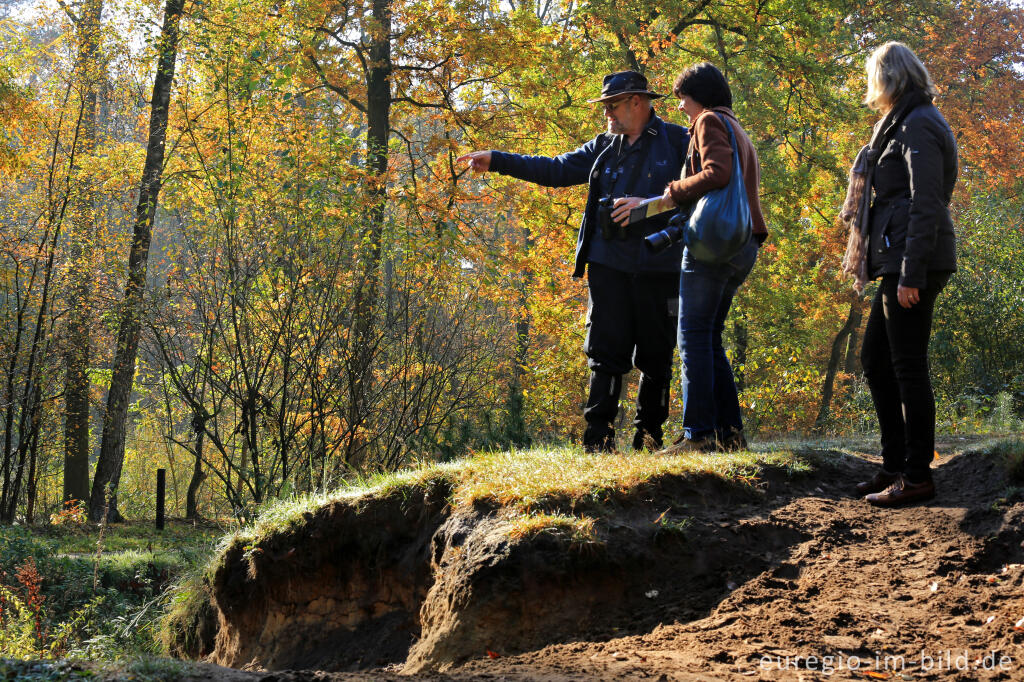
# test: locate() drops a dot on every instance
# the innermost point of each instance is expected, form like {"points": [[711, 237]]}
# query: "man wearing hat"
{"points": [[633, 293]]}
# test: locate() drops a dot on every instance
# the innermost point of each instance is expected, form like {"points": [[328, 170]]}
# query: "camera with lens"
{"points": [[659, 242], [609, 228]]}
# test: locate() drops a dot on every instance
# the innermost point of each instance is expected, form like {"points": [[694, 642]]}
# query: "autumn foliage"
{"points": [[330, 295]]}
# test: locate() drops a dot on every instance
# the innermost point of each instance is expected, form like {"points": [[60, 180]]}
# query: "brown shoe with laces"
{"points": [[903, 492], [734, 441], [877, 483], [684, 445]]}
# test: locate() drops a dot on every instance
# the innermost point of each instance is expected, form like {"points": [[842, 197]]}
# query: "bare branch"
{"points": [[71, 15], [337, 89], [409, 67], [688, 19], [421, 105]]}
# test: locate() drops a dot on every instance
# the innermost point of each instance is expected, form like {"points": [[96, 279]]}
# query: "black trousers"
{"points": [[631, 321], [895, 359]]}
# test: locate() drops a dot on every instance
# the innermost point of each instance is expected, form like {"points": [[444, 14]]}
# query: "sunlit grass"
{"points": [[523, 478], [280, 514], [579, 529], [81, 539], [128, 561], [1010, 451], [520, 480]]}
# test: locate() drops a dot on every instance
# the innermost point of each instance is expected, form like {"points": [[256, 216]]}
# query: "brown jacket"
{"points": [[710, 163]]}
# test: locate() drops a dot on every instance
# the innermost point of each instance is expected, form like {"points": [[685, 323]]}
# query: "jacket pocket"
{"points": [[899, 223], [889, 224], [879, 221]]}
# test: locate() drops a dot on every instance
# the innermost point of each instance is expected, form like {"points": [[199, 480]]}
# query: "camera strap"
{"points": [[637, 167]]}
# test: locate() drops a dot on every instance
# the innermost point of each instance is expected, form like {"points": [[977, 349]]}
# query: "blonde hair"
{"points": [[892, 70]]}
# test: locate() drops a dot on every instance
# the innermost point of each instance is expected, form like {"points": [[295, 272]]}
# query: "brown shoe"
{"points": [[902, 492], [734, 442], [684, 445], [877, 483]]}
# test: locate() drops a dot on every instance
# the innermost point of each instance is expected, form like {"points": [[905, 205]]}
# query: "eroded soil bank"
{"points": [[784, 577]]}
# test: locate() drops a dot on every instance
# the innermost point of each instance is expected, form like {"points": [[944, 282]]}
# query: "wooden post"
{"points": [[161, 485]]}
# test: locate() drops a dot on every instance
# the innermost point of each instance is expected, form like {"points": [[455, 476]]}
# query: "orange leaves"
{"points": [[981, 88]]}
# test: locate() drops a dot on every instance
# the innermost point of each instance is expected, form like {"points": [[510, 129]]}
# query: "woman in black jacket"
{"points": [[911, 248]]}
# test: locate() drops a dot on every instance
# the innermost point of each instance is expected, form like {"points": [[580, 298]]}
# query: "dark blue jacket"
{"points": [[666, 149]]}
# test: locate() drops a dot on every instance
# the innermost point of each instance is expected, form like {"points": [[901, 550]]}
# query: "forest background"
{"points": [[321, 293]]}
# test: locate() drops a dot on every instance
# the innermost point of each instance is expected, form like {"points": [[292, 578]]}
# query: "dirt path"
{"points": [[929, 592]]}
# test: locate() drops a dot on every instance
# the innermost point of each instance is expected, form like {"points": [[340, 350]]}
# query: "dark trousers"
{"points": [[631, 321], [895, 359]]}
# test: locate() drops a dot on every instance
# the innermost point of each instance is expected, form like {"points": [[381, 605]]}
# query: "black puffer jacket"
{"points": [[911, 229]]}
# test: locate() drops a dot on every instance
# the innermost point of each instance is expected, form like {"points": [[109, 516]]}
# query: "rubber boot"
{"points": [[600, 410], [651, 413]]}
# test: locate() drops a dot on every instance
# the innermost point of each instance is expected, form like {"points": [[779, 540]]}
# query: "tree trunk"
{"points": [[739, 327], [82, 239], [33, 482], [378, 119], [191, 504], [515, 430], [31, 420], [838, 345], [108, 468], [38, 350], [9, 413], [852, 364]]}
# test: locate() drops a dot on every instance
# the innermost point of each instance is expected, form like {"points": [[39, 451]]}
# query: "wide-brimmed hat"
{"points": [[624, 83]]}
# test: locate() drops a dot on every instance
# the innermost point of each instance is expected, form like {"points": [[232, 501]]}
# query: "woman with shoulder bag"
{"points": [[906, 239], [711, 409]]}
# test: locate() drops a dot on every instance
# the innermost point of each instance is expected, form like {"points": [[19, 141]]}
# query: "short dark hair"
{"points": [[705, 84]]}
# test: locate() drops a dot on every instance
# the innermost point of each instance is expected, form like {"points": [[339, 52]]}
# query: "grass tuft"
{"points": [[152, 668], [182, 624], [278, 515], [1009, 452], [1012, 452], [521, 481], [579, 529]]}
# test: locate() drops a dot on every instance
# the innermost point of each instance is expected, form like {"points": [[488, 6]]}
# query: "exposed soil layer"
{"points": [[686, 580], [339, 590]]}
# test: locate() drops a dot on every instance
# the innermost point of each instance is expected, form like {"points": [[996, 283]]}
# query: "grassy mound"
{"points": [[560, 493]]}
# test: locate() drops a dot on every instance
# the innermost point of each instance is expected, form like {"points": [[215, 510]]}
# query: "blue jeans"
{"points": [[711, 406]]}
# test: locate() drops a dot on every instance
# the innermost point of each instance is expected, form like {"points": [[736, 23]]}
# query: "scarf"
{"points": [[856, 209]]}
